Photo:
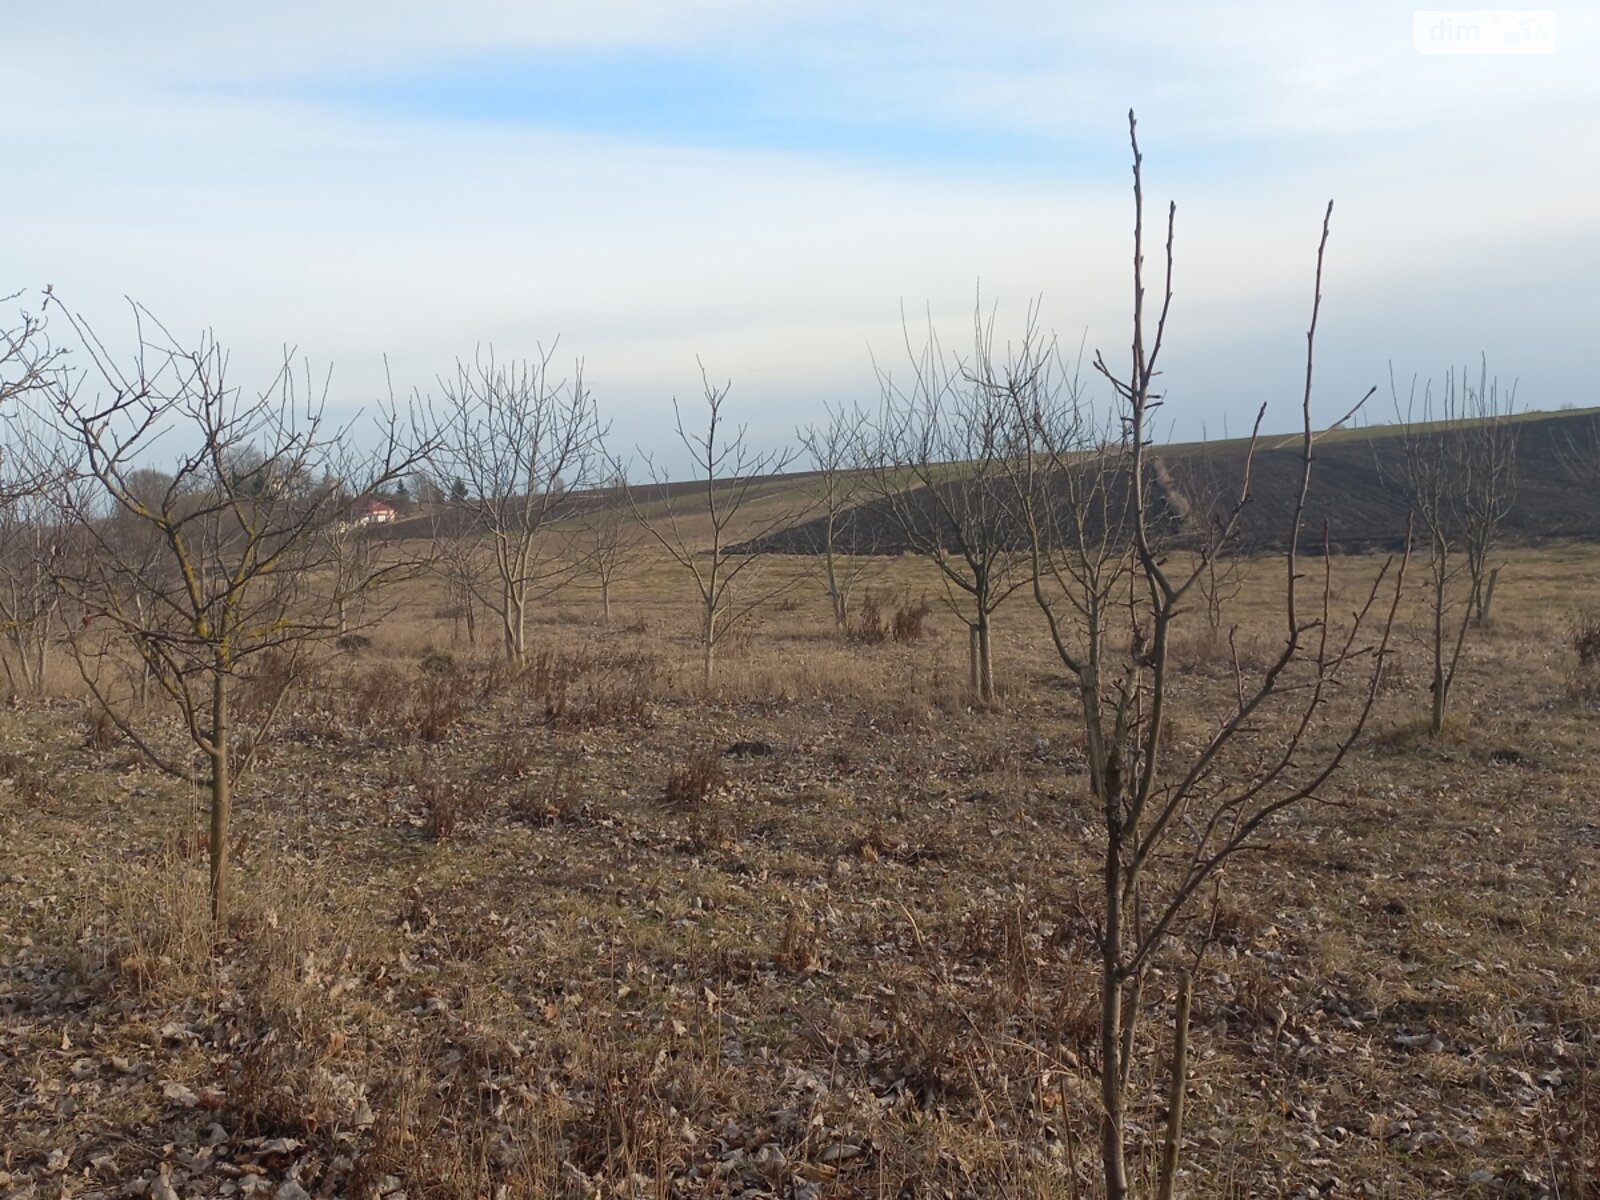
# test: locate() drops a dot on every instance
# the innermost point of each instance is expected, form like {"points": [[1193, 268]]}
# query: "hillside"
{"points": [[1354, 490]]}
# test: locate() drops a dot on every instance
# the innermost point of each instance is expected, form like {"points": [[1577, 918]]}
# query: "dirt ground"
{"points": [[823, 930]]}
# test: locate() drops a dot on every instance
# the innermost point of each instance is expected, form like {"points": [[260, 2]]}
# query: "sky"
{"points": [[772, 186]]}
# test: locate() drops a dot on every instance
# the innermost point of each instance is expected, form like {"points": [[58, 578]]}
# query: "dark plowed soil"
{"points": [[1355, 492]]}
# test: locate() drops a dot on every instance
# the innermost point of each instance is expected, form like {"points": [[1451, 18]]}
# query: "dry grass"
{"points": [[694, 781], [475, 953]]}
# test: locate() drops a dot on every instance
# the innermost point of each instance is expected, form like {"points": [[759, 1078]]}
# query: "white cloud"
{"points": [[1459, 183]]}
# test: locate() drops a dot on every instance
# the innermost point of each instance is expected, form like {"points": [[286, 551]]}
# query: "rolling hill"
{"points": [[1355, 490]]}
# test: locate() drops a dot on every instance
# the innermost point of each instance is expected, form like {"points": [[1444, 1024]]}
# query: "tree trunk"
{"points": [[1486, 596], [835, 595], [1180, 1079], [605, 600], [141, 689], [515, 621], [1113, 1159], [1113, 1068], [710, 636], [221, 794], [1440, 690], [980, 659], [985, 660], [32, 657]]}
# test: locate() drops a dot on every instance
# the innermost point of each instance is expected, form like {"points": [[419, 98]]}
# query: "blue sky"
{"points": [[694, 98], [766, 185]]}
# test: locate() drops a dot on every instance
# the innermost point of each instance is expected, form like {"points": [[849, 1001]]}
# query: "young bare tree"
{"points": [[1096, 515], [31, 365], [29, 361], [460, 561], [37, 480], [1578, 449], [611, 537], [215, 573], [361, 565], [712, 532], [36, 540], [838, 486], [1206, 502], [941, 472], [1458, 472], [517, 438]]}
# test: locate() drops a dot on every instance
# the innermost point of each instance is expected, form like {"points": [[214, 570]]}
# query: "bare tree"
{"points": [[1578, 449], [38, 477], [942, 474], [31, 366], [229, 581], [29, 361], [611, 537], [32, 540], [838, 487], [1458, 473], [517, 438], [1205, 505], [711, 532], [361, 565], [460, 562], [1171, 818]]}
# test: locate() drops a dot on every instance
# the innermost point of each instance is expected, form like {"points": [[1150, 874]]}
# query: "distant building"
{"points": [[374, 512]]}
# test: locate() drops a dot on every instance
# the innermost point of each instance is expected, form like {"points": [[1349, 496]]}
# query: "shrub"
{"points": [[437, 662], [271, 675], [800, 945], [873, 627], [910, 621], [441, 705], [694, 781], [869, 628], [586, 690], [387, 704], [559, 797], [1586, 637], [445, 803], [100, 732], [32, 785], [378, 699], [1583, 681]]}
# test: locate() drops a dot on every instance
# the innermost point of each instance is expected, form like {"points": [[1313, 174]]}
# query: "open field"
{"points": [[732, 689], [484, 946]]}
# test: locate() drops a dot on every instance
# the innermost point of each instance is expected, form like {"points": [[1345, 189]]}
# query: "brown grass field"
{"points": [[591, 930]]}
